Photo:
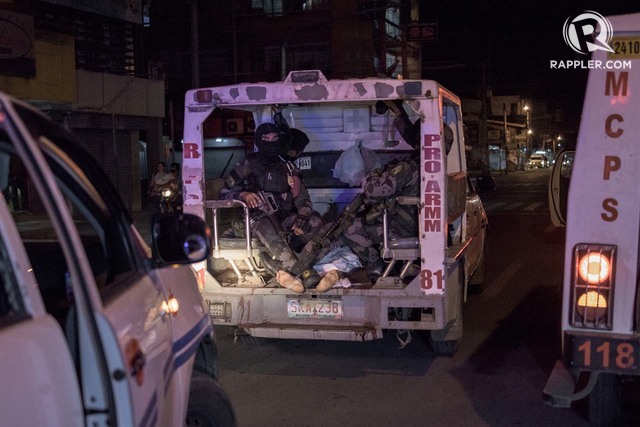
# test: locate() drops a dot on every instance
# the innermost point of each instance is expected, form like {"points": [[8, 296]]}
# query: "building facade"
{"points": [[215, 43], [82, 63]]}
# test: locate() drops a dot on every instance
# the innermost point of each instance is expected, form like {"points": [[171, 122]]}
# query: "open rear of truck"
{"points": [[423, 284]]}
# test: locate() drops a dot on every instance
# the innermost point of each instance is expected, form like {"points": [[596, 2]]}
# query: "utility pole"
{"points": [[482, 125], [195, 49], [506, 139]]}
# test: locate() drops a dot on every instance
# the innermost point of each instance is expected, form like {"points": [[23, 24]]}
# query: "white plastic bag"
{"points": [[349, 167]]}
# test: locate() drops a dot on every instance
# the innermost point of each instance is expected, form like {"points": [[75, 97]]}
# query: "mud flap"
{"points": [[559, 390]]}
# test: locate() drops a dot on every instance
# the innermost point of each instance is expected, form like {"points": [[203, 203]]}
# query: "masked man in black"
{"points": [[267, 171]]}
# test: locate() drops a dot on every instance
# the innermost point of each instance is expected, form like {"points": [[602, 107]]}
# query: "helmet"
{"points": [[381, 107], [270, 139], [299, 140]]}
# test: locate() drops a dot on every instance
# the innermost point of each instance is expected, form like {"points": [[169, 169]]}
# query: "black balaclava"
{"points": [[270, 148]]}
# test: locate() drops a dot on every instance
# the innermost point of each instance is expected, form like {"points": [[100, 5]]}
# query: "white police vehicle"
{"points": [[594, 192], [95, 328]]}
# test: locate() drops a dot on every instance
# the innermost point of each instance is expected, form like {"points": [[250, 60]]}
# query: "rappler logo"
{"points": [[588, 32]]}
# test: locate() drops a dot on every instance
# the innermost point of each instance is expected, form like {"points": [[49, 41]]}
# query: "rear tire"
{"points": [[209, 405], [444, 348], [604, 403], [249, 340], [449, 347], [476, 282]]}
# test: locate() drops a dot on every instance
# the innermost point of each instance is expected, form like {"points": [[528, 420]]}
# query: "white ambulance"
{"points": [[600, 301], [425, 281], [95, 328]]}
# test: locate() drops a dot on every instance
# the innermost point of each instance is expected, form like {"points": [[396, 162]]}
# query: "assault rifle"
{"points": [[306, 258], [267, 207], [376, 211]]}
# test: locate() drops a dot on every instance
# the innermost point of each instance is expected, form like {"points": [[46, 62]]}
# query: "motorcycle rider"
{"points": [[174, 185], [160, 178]]}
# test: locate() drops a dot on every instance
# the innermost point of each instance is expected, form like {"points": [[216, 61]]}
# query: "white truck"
{"points": [[96, 329], [425, 281], [594, 191]]}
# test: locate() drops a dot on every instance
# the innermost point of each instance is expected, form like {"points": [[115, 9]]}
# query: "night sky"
{"points": [[514, 41]]}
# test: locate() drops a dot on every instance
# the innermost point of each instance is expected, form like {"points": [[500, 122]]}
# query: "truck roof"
{"points": [[311, 86]]}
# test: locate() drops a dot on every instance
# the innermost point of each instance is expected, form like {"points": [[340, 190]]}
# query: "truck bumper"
{"points": [[266, 313]]}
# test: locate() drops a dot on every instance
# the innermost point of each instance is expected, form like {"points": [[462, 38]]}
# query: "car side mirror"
{"points": [[559, 187], [180, 239]]}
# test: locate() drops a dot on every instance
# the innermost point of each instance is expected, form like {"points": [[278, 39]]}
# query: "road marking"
{"points": [[501, 281], [494, 206], [512, 206], [533, 206]]}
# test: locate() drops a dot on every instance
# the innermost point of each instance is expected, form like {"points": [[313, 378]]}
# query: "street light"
{"points": [[559, 145], [529, 132]]}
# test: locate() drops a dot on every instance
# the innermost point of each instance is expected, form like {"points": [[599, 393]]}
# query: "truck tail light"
{"points": [[592, 286], [219, 310], [203, 96]]}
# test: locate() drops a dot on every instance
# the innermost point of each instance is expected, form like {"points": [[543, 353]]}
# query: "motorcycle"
{"points": [[170, 199]]}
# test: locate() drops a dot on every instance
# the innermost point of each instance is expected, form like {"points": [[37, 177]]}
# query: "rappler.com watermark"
{"points": [[585, 34], [595, 64]]}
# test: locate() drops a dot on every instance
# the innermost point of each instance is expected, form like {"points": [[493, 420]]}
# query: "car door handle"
{"points": [[137, 363]]}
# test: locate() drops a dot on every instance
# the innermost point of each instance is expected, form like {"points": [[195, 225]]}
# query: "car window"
{"points": [[101, 220], [11, 304]]}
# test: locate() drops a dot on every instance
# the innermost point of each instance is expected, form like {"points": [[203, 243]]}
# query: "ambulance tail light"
{"points": [[593, 281]]}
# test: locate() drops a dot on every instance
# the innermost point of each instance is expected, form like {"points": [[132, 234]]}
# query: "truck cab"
{"points": [[594, 192], [425, 280], [96, 328]]}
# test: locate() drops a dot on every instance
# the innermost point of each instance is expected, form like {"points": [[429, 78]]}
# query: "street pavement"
{"points": [[142, 220]]}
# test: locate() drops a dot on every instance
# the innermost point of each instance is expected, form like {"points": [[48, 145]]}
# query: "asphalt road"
{"points": [[512, 339], [510, 344]]}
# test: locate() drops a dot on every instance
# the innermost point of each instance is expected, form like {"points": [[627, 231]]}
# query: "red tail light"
{"points": [[593, 282]]}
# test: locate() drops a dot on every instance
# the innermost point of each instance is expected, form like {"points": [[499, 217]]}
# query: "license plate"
{"points": [[625, 47], [605, 354], [306, 308]]}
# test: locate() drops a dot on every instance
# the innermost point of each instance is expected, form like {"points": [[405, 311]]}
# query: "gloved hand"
{"points": [[300, 224]]}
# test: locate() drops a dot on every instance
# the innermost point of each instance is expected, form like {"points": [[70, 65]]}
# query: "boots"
{"points": [[269, 263]]}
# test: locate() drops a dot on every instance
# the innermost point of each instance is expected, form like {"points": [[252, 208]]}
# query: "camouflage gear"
{"points": [[268, 235], [400, 178], [272, 174]]}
